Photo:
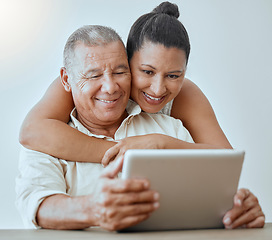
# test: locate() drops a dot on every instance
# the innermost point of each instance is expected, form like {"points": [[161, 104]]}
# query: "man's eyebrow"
{"points": [[122, 66], [98, 70], [91, 71], [94, 70]]}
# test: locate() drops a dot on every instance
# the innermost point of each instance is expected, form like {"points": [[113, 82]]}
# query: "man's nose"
{"points": [[109, 85], [158, 87]]}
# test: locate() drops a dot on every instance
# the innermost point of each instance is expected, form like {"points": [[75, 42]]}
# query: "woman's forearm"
{"points": [[45, 129], [62, 141], [168, 142]]}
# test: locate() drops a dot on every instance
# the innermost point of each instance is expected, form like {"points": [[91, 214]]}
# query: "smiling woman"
{"points": [[230, 61], [162, 39], [156, 82]]}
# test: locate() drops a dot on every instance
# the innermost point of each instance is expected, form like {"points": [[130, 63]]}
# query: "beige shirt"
{"points": [[167, 108], [42, 175]]}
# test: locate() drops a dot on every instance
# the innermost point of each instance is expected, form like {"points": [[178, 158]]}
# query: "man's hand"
{"points": [[246, 212], [122, 203], [114, 204]]}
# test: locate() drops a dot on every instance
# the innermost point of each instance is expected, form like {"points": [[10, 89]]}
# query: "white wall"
{"points": [[230, 61]]}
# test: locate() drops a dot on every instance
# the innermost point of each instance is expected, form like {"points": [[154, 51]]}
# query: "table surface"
{"points": [[96, 233]]}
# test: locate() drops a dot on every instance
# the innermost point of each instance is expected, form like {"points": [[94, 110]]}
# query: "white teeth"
{"points": [[157, 99], [105, 101]]}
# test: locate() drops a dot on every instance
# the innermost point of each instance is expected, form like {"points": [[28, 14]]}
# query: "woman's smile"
{"points": [[156, 82], [153, 100]]}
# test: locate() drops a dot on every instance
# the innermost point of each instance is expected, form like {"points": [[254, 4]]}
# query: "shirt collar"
{"points": [[132, 109], [77, 124]]}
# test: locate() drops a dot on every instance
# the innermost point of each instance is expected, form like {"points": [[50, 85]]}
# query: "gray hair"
{"points": [[90, 35]]}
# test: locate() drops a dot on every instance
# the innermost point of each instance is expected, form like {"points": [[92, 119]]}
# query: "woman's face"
{"points": [[157, 75]]}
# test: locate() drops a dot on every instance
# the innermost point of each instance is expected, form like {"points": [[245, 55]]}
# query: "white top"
{"points": [[167, 108], [42, 175]]}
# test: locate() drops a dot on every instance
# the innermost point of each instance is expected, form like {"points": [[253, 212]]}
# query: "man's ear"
{"points": [[64, 79]]}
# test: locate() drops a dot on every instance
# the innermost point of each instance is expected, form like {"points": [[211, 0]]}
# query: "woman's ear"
{"points": [[64, 79]]}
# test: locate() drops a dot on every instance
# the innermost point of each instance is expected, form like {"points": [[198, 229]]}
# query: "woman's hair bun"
{"points": [[167, 8]]}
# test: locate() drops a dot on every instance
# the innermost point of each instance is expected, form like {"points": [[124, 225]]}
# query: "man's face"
{"points": [[101, 83]]}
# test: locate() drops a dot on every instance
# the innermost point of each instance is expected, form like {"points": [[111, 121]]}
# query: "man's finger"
{"points": [[138, 209], [257, 223], [231, 215], [134, 198], [237, 211], [126, 216], [240, 196], [247, 217], [133, 220], [118, 213], [124, 223], [128, 185]]}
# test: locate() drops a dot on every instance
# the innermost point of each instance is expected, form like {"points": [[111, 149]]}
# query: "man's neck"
{"points": [[108, 129]]}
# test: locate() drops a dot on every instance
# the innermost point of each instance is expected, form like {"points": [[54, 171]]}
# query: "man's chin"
{"points": [[112, 117]]}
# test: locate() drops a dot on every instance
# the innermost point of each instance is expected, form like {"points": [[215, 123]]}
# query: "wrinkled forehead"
{"points": [[101, 52]]}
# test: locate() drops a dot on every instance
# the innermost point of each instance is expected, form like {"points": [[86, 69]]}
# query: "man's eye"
{"points": [[95, 76], [148, 72], [119, 73]]}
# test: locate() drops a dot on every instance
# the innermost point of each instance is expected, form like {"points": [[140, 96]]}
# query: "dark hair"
{"points": [[159, 26]]}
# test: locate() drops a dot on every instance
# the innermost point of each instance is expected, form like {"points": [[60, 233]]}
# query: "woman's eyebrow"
{"points": [[177, 71], [174, 71], [147, 65]]}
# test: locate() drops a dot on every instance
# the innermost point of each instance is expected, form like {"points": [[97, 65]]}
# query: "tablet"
{"points": [[196, 186]]}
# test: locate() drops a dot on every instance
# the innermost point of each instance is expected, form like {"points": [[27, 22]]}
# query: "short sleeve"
{"points": [[40, 175], [182, 132]]}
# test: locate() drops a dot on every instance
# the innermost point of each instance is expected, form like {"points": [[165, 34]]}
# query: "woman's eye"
{"points": [[148, 72], [172, 76]]}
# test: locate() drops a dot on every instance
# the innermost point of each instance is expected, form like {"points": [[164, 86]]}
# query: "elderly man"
{"points": [[58, 194]]}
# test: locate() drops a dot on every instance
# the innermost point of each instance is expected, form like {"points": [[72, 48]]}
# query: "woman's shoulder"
{"points": [[190, 101]]}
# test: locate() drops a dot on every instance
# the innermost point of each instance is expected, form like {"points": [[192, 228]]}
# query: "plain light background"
{"points": [[230, 61]]}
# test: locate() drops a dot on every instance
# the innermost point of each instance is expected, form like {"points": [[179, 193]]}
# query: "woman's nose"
{"points": [[158, 87]]}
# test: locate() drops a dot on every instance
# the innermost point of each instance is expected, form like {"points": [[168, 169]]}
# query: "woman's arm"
{"points": [[45, 129], [194, 110]]}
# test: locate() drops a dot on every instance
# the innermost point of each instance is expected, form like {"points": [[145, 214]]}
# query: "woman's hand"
{"points": [[149, 141], [246, 211]]}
